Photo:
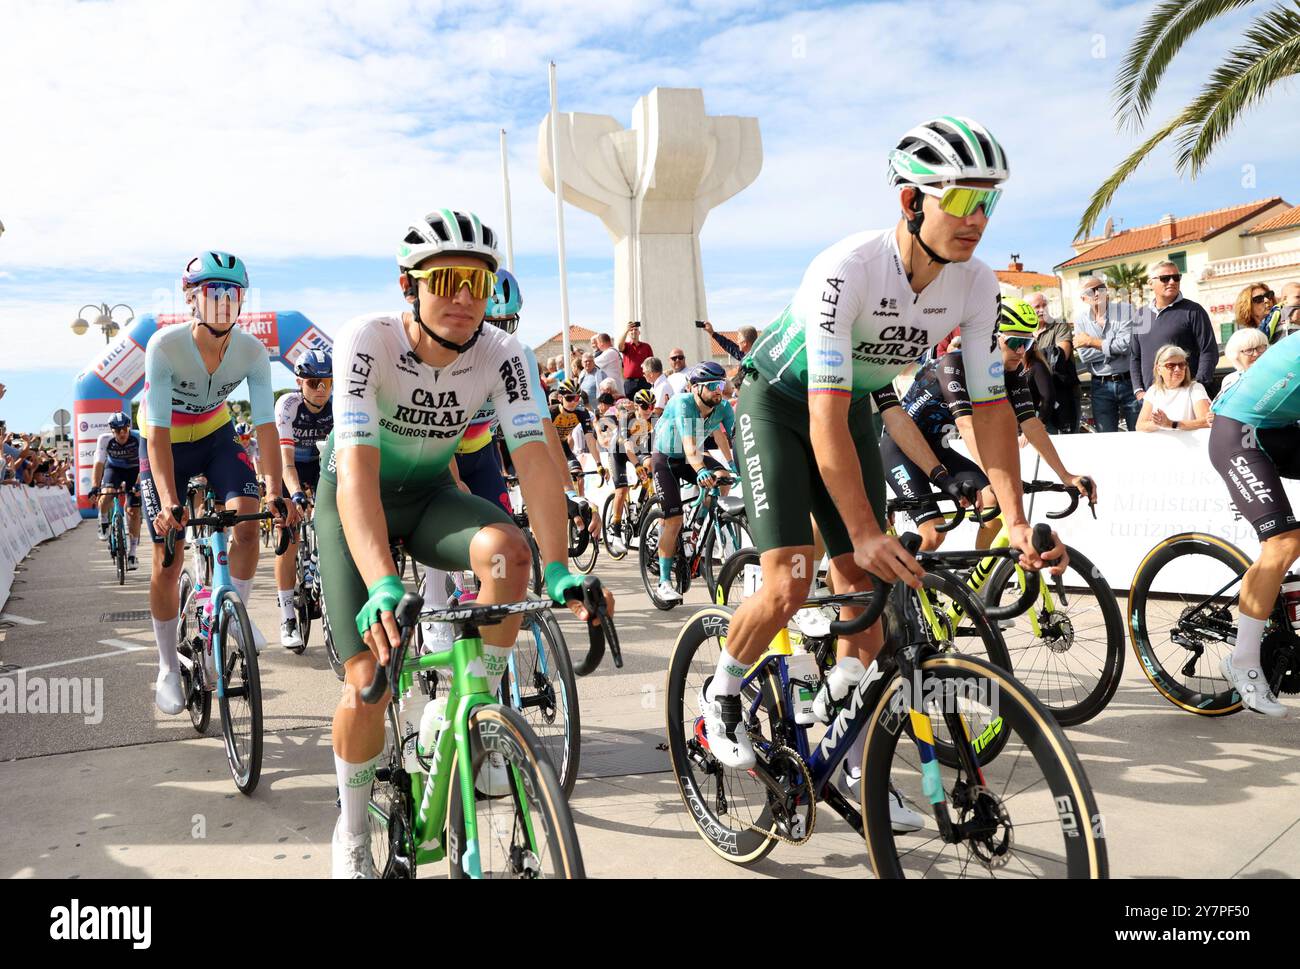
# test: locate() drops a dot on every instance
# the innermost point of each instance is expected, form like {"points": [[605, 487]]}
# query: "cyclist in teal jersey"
{"points": [[680, 437], [1254, 444], [190, 370], [867, 308]]}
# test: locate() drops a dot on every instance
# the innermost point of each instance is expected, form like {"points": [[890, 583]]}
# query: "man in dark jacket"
{"points": [[1172, 319]]}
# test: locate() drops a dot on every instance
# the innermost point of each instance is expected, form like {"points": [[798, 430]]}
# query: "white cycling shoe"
{"points": [[103, 534], [1252, 687], [290, 638], [666, 592], [259, 640], [350, 854], [901, 817], [616, 546], [493, 777], [167, 693], [724, 729]]}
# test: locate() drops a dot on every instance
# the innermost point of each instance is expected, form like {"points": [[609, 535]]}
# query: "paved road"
{"points": [[137, 794]]}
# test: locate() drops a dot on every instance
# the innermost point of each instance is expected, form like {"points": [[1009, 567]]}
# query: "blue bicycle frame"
{"points": [[215, 541]]}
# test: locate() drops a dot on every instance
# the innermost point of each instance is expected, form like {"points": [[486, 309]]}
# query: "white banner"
{"points": [[29, 516]]}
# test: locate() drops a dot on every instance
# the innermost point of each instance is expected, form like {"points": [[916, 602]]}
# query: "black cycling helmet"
{"points": [[704, 372]]}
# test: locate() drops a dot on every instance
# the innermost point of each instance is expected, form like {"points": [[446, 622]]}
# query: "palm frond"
{"points": [[1168, 27], [1271, 53], [1101, 198]]}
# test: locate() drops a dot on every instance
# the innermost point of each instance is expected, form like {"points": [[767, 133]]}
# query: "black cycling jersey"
{"points": [[938, 396]]}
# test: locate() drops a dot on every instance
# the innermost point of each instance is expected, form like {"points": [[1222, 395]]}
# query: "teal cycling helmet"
{"points": [[506, 302], [215, 266]]}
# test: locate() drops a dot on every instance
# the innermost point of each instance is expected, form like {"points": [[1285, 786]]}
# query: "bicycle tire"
{"points": [[190, 646], [119, 548], [242, 682], [585, 561], [648, 559], [390, 810], [331, 653], [607, 528], [1160, 661], [548, 694], [1064, 795], [1047, 663], [726, 592], [500, 729]]}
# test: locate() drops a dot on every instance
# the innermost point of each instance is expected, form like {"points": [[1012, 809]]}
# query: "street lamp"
{"points": [[103, 319]]}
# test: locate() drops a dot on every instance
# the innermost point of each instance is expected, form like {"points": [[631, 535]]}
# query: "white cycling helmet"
{"points": [[447, 230], [945, 150]]}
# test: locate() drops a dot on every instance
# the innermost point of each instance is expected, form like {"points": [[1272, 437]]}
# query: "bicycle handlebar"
{"points": [[407, 615], [592, 596], [1042, 542], [222, 520]]}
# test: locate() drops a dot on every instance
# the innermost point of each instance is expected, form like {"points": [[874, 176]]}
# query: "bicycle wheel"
{"points": [[390, 810], [739, 573], [729, 808], [607, 528], [1182, 617], [648, 557], [528, 833], [1028, 813], [1071, 653], [331, 653], [585, 560], [241, 700], [190, 647], [302, 592], [540, 683]]}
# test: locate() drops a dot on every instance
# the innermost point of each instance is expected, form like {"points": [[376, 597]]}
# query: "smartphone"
{"points": [[699, 324]]}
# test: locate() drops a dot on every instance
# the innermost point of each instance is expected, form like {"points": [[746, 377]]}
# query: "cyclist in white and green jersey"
{"points": [[406, 387], [868, 307]]}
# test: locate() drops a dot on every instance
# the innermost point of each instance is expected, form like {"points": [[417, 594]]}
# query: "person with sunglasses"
{"points": [[1254, 306], [406, 388], [1172, 318], [1254, 444], [189, 371], [938, 403], [676, 375], [1103, 337], [570, 414], [117, 466], [1174, 401], [688, 422], [868, 307], [304, 418]]}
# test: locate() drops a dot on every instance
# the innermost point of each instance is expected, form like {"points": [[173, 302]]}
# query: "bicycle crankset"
{"points": [[789, 796], [1281, 661]]}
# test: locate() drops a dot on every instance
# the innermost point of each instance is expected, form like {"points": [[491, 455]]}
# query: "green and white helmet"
{"points": [[946, 150], [447, 230]]}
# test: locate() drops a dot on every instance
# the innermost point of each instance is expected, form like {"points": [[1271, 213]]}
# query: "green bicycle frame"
{"points": [[429, 792]]}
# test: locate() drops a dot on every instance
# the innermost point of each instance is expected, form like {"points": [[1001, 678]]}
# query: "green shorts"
{"points": [[781, 481], [435, 524]]}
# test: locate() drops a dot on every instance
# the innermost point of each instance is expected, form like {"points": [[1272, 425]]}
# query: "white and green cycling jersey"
{"points": [[415, 414], [855, 323]]}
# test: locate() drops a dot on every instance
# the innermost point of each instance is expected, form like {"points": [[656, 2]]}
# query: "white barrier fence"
{"points": [[29, 516], [1150, 486]]}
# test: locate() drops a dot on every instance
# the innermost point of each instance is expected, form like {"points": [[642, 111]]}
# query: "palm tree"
{"points": [[1128, 280], [1269, 53]]}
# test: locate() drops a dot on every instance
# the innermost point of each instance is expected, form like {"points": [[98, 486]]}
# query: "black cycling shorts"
{"points": [[668, 470], [906, 479], [308, 477], [124, 478], [1252, 462], [217, 457], [481, 472]]}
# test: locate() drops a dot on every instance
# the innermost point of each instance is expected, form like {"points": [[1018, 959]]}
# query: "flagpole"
{"points": [[505, 188], [559, 224]]}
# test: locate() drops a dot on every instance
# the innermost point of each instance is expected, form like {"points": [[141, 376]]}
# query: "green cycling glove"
{"points": [[560, 580], [384, 597]]}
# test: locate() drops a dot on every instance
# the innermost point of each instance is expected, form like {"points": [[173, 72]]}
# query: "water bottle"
{"points": [[432, 721], [839, 681], [802, 667], [1291, 597], [410, 718], [203, 598]]}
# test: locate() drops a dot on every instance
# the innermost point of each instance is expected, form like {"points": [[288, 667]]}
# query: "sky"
{"points": [[306, 136]]}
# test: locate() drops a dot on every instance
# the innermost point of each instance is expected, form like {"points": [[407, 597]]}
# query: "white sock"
{"points": [[853, 759], [164, 633], [434, 589], [1245, 655], [135, 543], [727, 678], [494, 661], [354, 792], [103, 522], [244, 587], [286, 604]]}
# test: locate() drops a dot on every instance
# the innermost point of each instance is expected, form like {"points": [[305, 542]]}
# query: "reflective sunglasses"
{"points": [[960, 202], [231, 291], [645, 406], [1174, 277], [1018, 342], [1262, 297], [568, 398], [711, 384], [316, 383], [448, 280], [1095, 291], [677, 358]]}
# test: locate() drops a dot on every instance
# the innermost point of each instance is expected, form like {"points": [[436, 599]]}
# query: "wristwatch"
{"points": [[1175, 425]]}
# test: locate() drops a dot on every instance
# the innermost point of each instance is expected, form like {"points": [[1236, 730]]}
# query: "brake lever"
{"points": [[1043, 542]]}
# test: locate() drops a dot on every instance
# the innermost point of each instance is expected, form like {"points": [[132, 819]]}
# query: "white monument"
{"points": [[653, 185]]}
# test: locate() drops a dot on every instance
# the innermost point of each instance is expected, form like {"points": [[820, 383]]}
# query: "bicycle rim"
{"points": [[391, 846], [526, 834], [1182, 619], [1028, 814], [241, 702], [540, 684]]}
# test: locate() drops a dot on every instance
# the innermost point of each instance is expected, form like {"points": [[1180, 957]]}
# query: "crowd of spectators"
{"points": [[24, 460]]}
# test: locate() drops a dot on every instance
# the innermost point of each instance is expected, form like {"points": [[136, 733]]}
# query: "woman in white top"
{"points": [[1243, 349], [1174, 402]]}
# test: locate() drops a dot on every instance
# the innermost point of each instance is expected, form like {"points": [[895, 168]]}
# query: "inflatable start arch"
{"points": [[109, 383]]}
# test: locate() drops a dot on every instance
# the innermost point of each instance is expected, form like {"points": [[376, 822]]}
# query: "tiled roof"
{"points": [[576, 333], [1023, 280], [1192, 228], [1285, 219]]}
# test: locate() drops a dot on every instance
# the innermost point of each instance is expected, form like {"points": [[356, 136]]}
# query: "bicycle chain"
{"points": [[812, 803]]}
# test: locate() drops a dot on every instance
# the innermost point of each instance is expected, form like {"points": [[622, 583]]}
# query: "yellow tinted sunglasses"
{"points": [[448, 280], [961, 202]]}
